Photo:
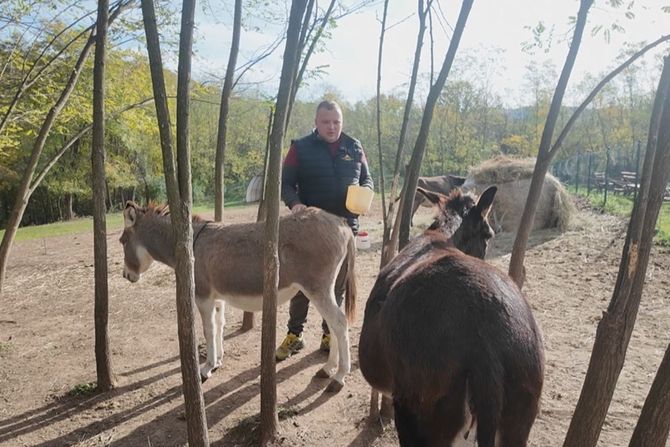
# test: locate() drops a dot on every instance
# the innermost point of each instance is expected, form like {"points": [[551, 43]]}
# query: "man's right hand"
{"points": [[298, 207]]}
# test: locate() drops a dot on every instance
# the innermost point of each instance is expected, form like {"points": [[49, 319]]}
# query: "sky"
{"points": [[490, 49]]}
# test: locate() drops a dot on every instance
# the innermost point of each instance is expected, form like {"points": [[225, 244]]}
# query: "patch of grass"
{"points": [[663, 225], [247, 431], [5, 347], [615, 204], [623, 206], [75, 226], [85, 224], [83, 389]]}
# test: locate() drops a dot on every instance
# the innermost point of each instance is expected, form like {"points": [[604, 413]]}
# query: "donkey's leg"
{"points": [[339, 350], [220, 325], [207, 309]]}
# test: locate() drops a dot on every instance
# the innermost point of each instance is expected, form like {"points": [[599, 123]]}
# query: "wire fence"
{"points": [[612, 172]]}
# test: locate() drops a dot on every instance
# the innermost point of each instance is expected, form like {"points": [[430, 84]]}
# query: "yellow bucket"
{"points": [[359, 199]]}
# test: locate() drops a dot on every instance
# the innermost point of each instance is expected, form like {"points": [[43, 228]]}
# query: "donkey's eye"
{"points": [[124, 238]]}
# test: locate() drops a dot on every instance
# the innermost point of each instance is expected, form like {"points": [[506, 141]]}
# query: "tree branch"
{"points": [[596, 90], [54, 159]]}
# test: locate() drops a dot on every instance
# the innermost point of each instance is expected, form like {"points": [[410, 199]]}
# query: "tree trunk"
{"points": [[269, 421], [25, 190], [654, 424], [374, 394], [223, 113], [308, 54], [248, 322], [103, 362], [69, 203], [390, 242], [420, 146], [178, 185], [516, 268], [615, 328]]}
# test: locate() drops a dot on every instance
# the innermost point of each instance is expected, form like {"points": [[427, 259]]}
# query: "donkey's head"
{"points": [[136, 255], [464, 219]]}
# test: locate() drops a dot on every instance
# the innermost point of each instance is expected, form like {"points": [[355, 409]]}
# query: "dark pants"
{"points": [[300, 304]]}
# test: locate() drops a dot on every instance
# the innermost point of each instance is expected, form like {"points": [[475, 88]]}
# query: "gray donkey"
{"points": [[314, 247]]}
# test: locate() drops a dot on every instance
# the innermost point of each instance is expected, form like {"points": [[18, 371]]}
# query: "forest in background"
{"points": [[472, 121]]}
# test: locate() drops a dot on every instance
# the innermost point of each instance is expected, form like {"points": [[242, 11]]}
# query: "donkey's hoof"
{"points": [[322, 374], [334, 386], [206, 373]]}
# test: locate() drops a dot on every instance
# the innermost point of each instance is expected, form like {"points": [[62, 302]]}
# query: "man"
{"points": [[317, 171]]}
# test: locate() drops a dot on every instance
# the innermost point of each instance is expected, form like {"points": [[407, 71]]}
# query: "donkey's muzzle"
{"points": [[130, 276]]}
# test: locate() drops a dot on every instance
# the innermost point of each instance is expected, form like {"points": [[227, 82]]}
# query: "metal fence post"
{"points": [[579, 159], [607, 174], [637, 171], [590, 173]]}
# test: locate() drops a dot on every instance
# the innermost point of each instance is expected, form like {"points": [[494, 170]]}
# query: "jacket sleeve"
{"points": [[366, 177], [289, 178]]}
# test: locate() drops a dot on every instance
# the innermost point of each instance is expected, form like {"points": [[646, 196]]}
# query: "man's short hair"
{"points": [[328, 105]]}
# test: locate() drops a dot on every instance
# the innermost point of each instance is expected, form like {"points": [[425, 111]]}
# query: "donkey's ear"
{"points": [[485, 201], [130, 214], [431, 196], [456, 180]]}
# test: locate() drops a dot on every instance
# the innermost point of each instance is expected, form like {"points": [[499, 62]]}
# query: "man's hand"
{"points": [[298, 207]]}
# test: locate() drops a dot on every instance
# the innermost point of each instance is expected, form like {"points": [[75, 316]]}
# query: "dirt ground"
{"points": [[47, 336]]}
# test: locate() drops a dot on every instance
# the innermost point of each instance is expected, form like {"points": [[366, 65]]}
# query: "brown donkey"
{"points": [[314, 247], [451, 338]]}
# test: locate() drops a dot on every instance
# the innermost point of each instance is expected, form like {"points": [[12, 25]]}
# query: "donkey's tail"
{"points": [[485, 398], [350, 294]]}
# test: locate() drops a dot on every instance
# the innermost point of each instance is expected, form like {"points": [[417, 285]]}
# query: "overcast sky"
{"points": [[494, 27]]}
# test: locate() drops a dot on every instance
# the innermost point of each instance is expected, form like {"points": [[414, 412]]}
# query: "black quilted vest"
{"points": [[322, 179]]}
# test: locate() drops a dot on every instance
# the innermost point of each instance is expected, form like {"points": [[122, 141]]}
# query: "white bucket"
{"points": [[363, 240]]}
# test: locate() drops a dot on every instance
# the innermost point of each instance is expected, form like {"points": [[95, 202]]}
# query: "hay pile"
{"points": [[512, 176]]}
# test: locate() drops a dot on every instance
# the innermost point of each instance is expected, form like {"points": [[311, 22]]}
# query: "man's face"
{"points": [[329, 124]]}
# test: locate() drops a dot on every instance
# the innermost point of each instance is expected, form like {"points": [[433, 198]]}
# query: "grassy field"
{"points": [[81, 225], [623, 206], [616, 204]]}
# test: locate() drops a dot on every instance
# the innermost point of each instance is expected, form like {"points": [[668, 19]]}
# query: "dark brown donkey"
{"points": [[314, 247], [451, 338]]}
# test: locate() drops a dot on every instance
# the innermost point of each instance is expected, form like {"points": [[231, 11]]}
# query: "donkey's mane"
{"points": [[158, 209], [163, 209], [456, 204]]}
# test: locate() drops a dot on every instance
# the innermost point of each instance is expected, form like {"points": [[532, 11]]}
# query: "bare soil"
{"points": [[47, 348]]}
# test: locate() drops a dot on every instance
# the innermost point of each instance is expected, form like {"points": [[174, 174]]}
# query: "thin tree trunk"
{"points": [[178, 185], [223, 113], [382, 182], [615, 328], [24, 191], [374, 395], [262, 208], [654, 424], [269, 421], [387, 237], [516, 268], [420, 146], [308, 54], [106, 380]]}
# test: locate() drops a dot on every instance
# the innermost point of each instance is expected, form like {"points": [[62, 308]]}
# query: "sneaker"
{"points": [[291, 344], [325, 343]]}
